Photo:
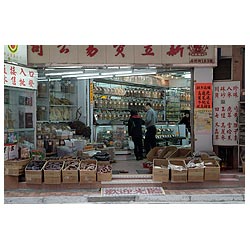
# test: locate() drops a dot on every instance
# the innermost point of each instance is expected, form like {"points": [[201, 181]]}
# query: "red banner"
{"points": [[203, 95]]}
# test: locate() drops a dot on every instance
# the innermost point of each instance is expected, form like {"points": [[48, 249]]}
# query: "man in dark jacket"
{"points": [[135, 123]]}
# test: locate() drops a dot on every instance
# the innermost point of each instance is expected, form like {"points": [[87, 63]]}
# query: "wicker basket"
{"points": [[15, 167]]}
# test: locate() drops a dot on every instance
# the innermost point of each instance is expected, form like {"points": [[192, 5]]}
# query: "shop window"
{"points": [[223, 70]]}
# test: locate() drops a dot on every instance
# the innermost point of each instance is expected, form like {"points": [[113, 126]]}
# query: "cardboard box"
{"points": [[155, 153], [103, 176], [176, 175], [168, 151], [52, 176], [88, 176], [181, 153], [70, 176], [15, 167], [212, 170], [34, 176], [160, 170], [195, 174]]}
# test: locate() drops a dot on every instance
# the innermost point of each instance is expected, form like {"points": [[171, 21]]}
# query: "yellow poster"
{"points": [[203, 121]]}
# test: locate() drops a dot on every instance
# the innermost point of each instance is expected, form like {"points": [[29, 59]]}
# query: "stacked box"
{"points": [[70, 171], [196, 174], [168, 151], [88, 175], [212, 170], [179, 176], [104, 171], [156, 153], [181, 153], [160, 170], [33, 174], [53, 176]]}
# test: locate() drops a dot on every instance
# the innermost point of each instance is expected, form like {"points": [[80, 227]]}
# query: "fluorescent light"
{"points": [[91, 77], [138, 74], [117, 72], [81, 75], [63, 73]]}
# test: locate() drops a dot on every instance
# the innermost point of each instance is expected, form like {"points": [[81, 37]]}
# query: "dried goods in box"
{"points": [[178, 171], [195, 170], [70, 171], [87, 170], [104, 171], [52, 171], [15, 167], [33, 172]]}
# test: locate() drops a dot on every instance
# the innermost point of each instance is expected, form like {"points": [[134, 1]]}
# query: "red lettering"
{"points": [[37, 49], [91, 51], [119, 50], [148, 51], [13, 70], [22, 72], [63, 49], [175, 50], [22, 82]]}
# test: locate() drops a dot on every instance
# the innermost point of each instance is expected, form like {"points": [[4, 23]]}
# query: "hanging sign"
{"points": [[203, 121], [203, 95], [225, 113], [91, 93], [20, 77], [15, 53]]}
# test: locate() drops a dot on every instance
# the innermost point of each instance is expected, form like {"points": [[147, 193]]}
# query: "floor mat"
{"points": [[144, 171], [118, 191]]}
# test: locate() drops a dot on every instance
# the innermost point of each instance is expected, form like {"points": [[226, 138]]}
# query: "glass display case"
{"points": [[19, 115], [56, 101]]}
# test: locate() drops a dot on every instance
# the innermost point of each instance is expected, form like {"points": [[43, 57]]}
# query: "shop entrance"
{"points": [[102, 98]]}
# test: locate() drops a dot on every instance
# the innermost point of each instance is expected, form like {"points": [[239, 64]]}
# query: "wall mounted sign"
{"points": [[203, 95], [225, 113], [20, 77], [187, 55], [15, 53]]}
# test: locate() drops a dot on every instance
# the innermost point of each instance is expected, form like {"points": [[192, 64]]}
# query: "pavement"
{"points": [[201, 196]]}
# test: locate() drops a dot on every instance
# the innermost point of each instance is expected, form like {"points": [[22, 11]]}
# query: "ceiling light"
{"points": [[91, 77], [63, 73], [81, 75], [117, 72]]}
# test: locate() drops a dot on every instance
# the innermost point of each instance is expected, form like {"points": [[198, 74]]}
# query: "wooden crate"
{"points": [[160, 170], [52, 176], [212, 170], [15, 167], [88, 176], [34, 176]]}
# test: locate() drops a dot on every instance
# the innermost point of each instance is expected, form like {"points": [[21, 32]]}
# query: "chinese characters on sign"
{"points": [[226, 112], [21, 77], [203, 95], [148, 54]]}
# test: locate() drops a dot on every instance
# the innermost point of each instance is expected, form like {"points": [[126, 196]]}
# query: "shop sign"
{"points": [[15, 53], [203, 95], [175, 55], [20, 77], [225, 113]]}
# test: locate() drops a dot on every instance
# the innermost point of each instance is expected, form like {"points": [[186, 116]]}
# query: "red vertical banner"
{"points": [[203, 96]]}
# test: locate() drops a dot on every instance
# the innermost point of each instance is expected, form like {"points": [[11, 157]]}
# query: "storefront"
{"points": [[85, 94]]}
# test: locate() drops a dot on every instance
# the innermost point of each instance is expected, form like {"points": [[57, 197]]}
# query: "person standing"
{"points": [[135, 123], [186, 120], [150, 121]]}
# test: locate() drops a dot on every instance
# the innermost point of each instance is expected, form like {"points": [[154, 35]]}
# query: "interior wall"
{"points": [[203, 142]]}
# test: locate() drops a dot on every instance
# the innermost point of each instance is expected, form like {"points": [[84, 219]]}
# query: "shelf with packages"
{"points": [[241, 141], [19, 117], [171, 134], [177, 100], [114, 101], [56, 101]]}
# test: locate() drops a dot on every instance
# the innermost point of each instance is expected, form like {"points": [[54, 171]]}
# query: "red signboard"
{"points": [[203, 95]]}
